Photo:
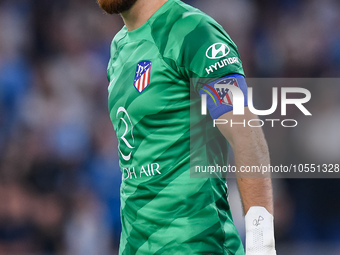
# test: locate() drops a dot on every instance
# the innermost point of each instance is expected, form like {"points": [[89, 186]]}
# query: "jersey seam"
{"points": [[162, 57], [170, 57], [118, 48], [122, 37]]}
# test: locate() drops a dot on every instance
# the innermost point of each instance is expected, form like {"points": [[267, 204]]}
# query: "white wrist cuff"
{"points": [[259, 232]]}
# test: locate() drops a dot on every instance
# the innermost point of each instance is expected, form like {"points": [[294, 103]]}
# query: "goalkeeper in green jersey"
{"points": [[157, 61]]}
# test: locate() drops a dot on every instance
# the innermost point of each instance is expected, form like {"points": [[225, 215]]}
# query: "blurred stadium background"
{"points": [[59, 175]]}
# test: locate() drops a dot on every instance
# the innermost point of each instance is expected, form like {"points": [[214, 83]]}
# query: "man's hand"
{"points": [[259, 232]]}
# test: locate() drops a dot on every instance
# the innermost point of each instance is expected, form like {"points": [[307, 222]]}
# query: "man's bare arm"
{"points": [[250, 149]]}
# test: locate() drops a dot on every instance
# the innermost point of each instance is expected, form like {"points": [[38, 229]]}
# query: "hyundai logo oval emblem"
{"points": [[217, 50]]}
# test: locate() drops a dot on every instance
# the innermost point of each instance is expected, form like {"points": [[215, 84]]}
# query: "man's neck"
{"points": [[140, 12]]}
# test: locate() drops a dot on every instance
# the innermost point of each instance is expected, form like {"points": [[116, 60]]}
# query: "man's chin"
{"points": [[116, 6]]}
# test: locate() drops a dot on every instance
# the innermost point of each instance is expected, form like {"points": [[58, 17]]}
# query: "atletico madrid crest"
{"points": [[142, 77], [222, 90]]}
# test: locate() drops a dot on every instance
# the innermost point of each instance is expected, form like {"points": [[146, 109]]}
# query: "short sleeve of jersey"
{"points": [[207, 50]]}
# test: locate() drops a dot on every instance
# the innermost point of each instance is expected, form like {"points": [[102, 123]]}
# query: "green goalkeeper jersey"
{"points": [[163, 209]]}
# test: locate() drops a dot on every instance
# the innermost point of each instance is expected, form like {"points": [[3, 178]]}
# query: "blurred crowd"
{"points": [[59, 174]]}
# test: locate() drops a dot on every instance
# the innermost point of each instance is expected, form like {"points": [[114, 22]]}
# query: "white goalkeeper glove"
{"points": [[259, 232]]}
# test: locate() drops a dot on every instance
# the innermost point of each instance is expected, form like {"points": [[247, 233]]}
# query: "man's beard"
{"points": [[116, 6]]}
